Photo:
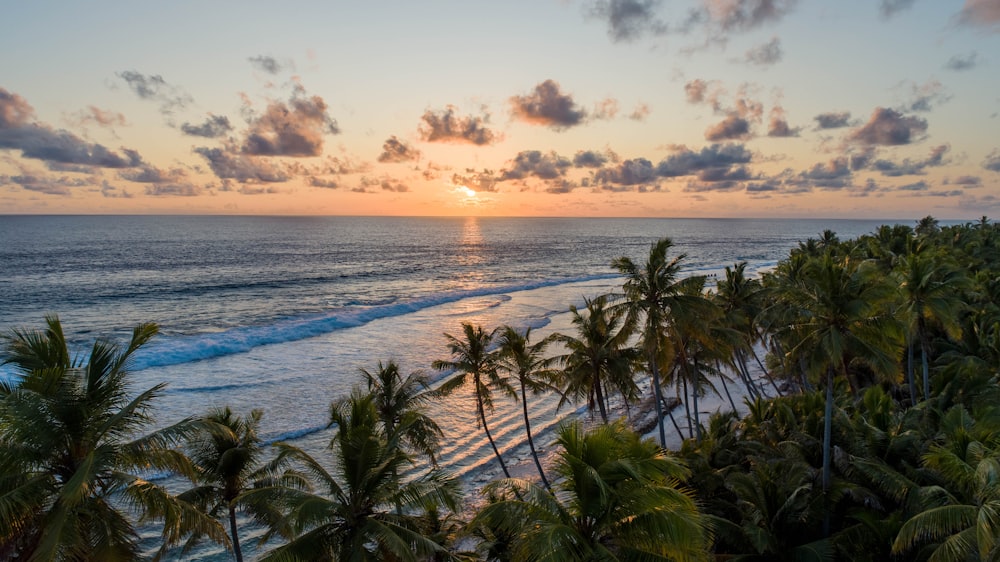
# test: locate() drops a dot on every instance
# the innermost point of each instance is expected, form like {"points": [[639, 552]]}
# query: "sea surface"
{"points": [[280, 313]]}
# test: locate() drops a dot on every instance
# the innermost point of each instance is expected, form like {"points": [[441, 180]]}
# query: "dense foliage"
{"points": [[872, 432]]}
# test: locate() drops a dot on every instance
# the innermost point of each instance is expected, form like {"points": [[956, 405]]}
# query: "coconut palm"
{"points": [[600, 359], [401, 401], [471, 359], [72, 453], [617, 498], [525, 362], [228, 457], [354, 515]]}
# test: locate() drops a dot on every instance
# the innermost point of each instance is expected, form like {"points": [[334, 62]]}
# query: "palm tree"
{"points": [[525, 362], [401, 402], [70, 454], [227, 455], [355, 516], [600, 358], [471, 358], [617, 498]]}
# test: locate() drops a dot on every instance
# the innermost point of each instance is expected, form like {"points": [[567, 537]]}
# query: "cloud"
{"points": [[267, 64], [640, 112], [548, 106], [925, 96], [715, 157], [917, 186], [589, 159], [532, 163], [765, 55], [49, 185], [152, 174], [214, 126], [962, 62], [627, 173], [992, 161], [628, 19], [395, 150], [732, 127], [18, 131], [889, 127], [967, 181], [174, 190], [323, 182], [835, 174], [101, 117], [702, 91], [228, 164], [910, 167], [445, 126], [606, 109], [745, 15], [153, 87], [385, 183], [479, 182], [889, 8], [984, 13], [833, 120], [295, 128], [778, 125]]}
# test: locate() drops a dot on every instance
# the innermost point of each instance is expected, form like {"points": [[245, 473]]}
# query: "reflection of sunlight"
{"points": [[471, 246]]}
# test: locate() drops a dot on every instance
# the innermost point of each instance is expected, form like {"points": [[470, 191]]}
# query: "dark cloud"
{"points": [[917, 186], [445, 126], [174, 190], [589, 159], [778, 125], [912, 167], [532, 163], [714, 157], [480, 182], [548, 106], [833, 120], [992, 161], [744, 15], [889, 127], [629, 19], [627, 173], [732, 127], [228, 164], [214, 126], [982, 13], [765, 55], [39, 141], [48, 185], [560, 187], [153, 87], [702, 91], [962, 62], [152, 174], [323, 182], [266, 64], [640, 112], [889, 8], [293, 129], [835, 174], [925, 96], [967, 181], [395, 150]]}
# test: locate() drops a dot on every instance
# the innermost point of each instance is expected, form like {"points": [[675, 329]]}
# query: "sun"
{"points": [[470, 193]]}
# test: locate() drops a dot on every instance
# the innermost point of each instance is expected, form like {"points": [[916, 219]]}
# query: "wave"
{"points": [[188, 349]]}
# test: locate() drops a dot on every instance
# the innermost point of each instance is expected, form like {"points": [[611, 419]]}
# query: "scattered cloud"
{"points": [[626, 174], [745, 15], [628, 19], [715, 157], [49, 185], [981, 13], [268, 64], [153, 87], [732, 127], [910, 167], [295, 128], [992, 161], [590, 159], [214, 126], [889, 127], [445, 126], [480, 182], [924, 97], [533, 163], [833, 120], [966, 181], [889, 8], [230, 164], [100, 117], [395, 150], [640, 112], [548, 106], [606, 109], [778, 125], [962, 62], [765, 55]]}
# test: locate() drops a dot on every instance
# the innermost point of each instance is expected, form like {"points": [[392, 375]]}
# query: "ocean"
{"points": [[280, 313]]}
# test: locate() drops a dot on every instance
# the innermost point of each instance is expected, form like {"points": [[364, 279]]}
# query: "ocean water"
{"points": [[280, 313]]}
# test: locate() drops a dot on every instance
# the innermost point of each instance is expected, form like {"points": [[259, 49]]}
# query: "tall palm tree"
{"points": [[471, 358], [228, 456], [600, 359], [401, 401], [354, 516], [617, 498], [525, 362], [71, 453]]}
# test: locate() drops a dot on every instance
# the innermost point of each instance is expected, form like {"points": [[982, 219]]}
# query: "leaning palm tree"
{"points": [[654, 295], [617, 498], [71, 453], [355, 515], [599, 359], [471, 359], [228, 457], [525, 362], [401, 401]]}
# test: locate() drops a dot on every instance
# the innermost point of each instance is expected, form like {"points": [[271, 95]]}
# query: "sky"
{"points": [[647, 108]]}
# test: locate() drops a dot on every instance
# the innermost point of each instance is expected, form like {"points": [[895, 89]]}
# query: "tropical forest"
{"points": [[862, 422]]}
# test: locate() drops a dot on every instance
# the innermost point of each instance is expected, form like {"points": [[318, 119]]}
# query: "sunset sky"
{"points": [[672, 108]]}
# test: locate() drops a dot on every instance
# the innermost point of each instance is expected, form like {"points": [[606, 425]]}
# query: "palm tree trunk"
{"points": [[695, 387], [687, 406], [531, 442], [599, 397], [722, 377], [804, 374], [924, 344], [909, 373], [658, 399], [741, 364], [765, 371], [827, 445], [673, 420], [236, 537], [482, 418]]}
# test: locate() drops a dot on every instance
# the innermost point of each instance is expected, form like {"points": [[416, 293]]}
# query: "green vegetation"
{"points": [[872, 429]]}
